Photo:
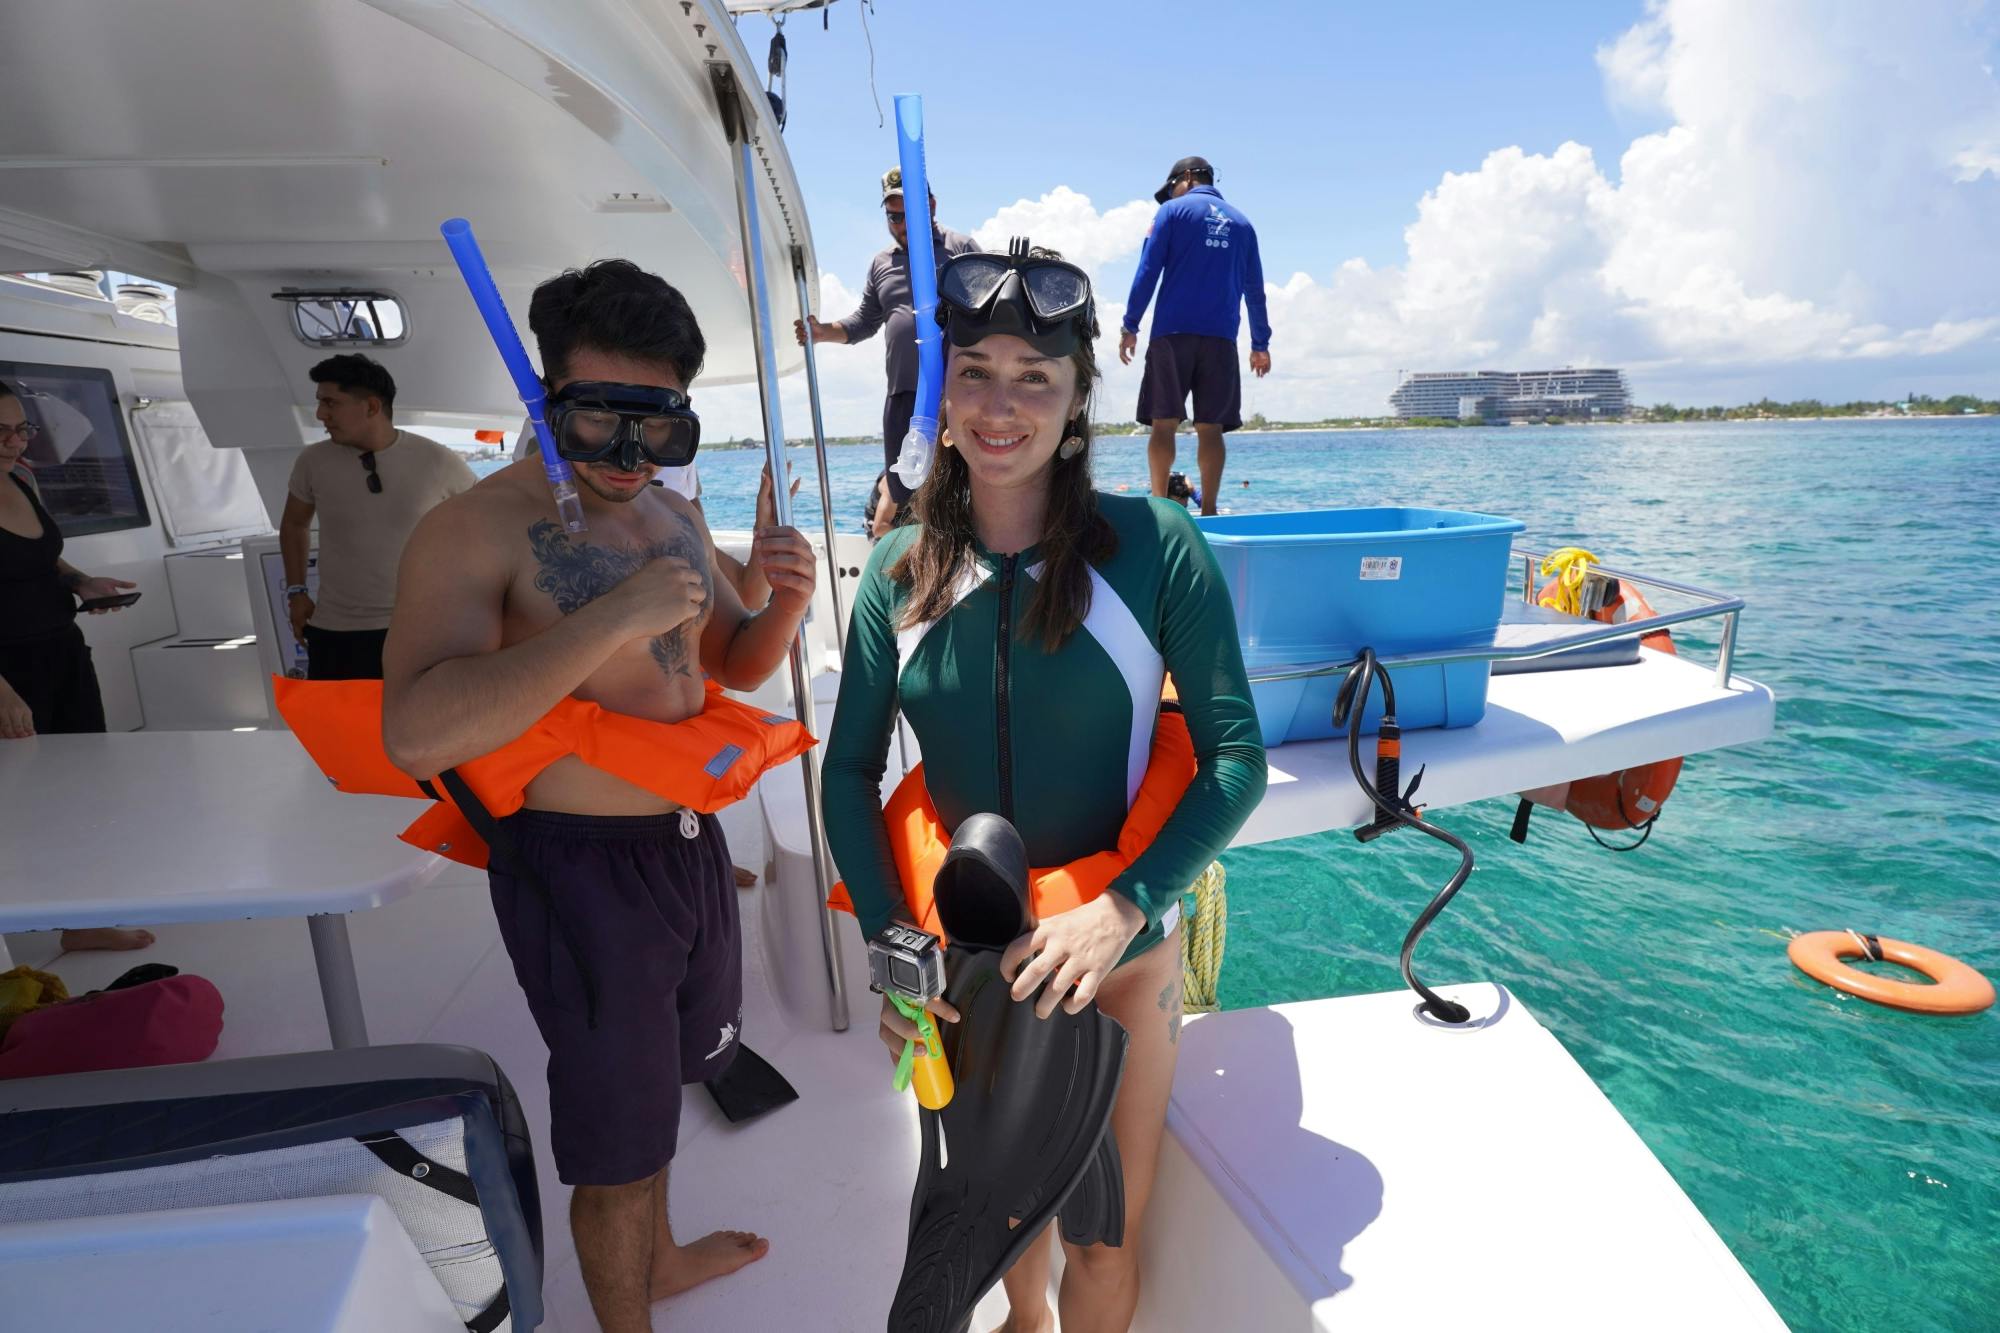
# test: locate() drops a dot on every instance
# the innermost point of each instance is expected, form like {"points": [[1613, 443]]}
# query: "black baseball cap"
{"points": [[1182, 168]]}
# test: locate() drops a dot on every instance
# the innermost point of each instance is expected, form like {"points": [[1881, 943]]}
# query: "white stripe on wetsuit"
{"points": [[908, 639], [1117, 632]]}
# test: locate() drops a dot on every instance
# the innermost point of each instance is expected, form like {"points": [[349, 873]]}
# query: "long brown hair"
{"points": [[1075, 536]]}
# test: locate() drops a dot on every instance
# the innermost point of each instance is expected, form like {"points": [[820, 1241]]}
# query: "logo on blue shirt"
{"points": [[1217, 224]]}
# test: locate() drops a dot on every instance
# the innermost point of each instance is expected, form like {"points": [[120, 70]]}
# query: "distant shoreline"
{"points": [[1288, 428]]}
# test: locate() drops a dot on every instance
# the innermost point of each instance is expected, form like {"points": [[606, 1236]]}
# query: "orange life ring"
{"points": [[1955, 988], [1631, 797]]}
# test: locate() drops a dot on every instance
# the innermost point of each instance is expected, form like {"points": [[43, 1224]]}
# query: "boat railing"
{"points": [[1708, 605]]}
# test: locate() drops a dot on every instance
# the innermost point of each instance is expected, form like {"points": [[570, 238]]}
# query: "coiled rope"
{"points": [[1204, 930]]}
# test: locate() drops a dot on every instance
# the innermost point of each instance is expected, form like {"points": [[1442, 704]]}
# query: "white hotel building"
{"points": [[1513, 395]]}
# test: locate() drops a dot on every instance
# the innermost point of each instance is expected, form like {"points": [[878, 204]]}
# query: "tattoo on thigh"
{"points": [[576, 573], [1170, 1005]]}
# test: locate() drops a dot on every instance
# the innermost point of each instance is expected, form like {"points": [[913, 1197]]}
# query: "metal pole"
{"points": [[1725, 661], [819, 451], [346, 1023], [774, 449]]}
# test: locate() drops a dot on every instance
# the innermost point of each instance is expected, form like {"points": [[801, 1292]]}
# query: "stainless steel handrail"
{"points": [[819, 452], [758, 293], [1713, 604]]}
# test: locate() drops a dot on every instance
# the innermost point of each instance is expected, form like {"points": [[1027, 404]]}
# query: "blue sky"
{"points": [[1726, 198], [1326, 121]]}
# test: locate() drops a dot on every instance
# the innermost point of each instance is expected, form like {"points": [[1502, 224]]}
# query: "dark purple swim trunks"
{"points": [[1183, 364], [653, 913]]}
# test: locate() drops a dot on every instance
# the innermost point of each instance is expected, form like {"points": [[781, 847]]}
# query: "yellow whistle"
{"points": [[931, 1075]]}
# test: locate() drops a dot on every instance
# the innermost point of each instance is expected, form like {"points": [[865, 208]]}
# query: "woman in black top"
{"points": [[47, 683]]}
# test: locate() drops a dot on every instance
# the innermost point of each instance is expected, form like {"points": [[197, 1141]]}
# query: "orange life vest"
{"points": [[705, 762], [919, 840], [1631, 797]]}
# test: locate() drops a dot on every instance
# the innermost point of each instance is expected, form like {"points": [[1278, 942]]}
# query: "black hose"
{"points": [[1349, 707]]}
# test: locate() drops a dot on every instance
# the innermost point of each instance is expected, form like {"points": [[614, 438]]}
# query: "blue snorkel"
{"points": [[913, 464], [479, 281]]}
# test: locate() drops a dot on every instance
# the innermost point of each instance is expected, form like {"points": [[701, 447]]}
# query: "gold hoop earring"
{"points": [[1071, 447]]}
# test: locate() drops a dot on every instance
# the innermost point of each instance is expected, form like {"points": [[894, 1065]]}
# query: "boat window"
{"points": [[81, 456], [346, 318]]}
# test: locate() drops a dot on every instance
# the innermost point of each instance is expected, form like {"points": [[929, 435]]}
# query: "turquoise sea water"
{"points": [[1848, 1154]]}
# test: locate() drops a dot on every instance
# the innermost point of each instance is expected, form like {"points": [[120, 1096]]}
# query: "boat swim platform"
{"points": [[1540, 728], [1351, 1165]]}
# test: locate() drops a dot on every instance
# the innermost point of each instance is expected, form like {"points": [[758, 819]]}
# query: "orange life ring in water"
{"points": [[1631, 797], [1955, 988]]}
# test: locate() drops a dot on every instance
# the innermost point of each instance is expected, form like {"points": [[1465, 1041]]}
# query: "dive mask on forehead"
{"points": [[1043, 301], [622, 424]]}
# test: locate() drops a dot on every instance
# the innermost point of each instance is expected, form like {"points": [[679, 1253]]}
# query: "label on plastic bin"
{"points": [[1381, 567]]}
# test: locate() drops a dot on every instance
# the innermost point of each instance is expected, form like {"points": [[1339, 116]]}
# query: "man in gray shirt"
{"points": [[368, 483], [886, 300]]}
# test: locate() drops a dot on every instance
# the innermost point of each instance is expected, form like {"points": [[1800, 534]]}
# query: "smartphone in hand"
{"points": [[107, 603]]}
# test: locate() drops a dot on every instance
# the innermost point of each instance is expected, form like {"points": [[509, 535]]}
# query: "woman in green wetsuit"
{"points": [[1024, 626]]}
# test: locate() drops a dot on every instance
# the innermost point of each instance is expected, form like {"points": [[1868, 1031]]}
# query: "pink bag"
{"points": [[167, 1022]]}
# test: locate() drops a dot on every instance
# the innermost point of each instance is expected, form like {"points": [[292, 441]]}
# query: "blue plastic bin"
{"points": [[1320, 585]]}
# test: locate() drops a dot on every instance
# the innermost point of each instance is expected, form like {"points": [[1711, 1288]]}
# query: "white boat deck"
{"points": [[1331, 1165], [827, 1179]]}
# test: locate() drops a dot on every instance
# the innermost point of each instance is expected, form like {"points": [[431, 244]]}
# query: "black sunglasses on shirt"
{"points": [[368, 466]]}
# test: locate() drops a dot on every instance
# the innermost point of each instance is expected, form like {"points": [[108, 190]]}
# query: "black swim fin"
{"points": [[1027, 1132], [749, 1087]]}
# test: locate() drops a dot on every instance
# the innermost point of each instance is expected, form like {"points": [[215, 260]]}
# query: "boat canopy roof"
{"points": [[236, 149]]}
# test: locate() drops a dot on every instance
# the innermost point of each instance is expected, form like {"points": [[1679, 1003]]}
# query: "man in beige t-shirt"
{"points": [[368, 483]]}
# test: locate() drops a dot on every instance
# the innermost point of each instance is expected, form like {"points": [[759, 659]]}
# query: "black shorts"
{"points": [[897, 410], [344, 654], [653, 912], [56, 679], [1179, 364]]}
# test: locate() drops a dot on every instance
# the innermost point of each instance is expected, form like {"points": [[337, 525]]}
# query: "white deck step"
{"points": [[1347, 1165]]}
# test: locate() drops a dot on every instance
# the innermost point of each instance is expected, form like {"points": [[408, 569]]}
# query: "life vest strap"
{"points": [[502, 852]]}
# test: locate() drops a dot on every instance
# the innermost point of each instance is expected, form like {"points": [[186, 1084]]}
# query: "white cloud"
{"points": [[1634, 66], [1826, 192], [1064, 220], [1820, 208]]}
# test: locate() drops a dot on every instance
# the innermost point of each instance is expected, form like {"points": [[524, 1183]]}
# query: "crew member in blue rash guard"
{"points": [[1202, 252]]}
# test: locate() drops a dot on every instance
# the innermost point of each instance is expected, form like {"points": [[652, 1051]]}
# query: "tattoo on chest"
{"points": [[576, 573]]}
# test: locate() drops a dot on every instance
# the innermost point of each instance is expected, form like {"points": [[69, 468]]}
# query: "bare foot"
{"points": [[745, 878], [105, 938], [717, 1254], [1015, 1322]]}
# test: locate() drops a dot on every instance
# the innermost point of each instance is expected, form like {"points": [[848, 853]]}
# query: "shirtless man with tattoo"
{"points": [[499, 614]]}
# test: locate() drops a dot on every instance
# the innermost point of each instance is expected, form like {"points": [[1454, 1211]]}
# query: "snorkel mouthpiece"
{"points": [[464, 248], [919, 450]]}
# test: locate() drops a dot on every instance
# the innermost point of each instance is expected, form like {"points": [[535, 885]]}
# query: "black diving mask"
{"points": [[622, 424], [1045, 302]]}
